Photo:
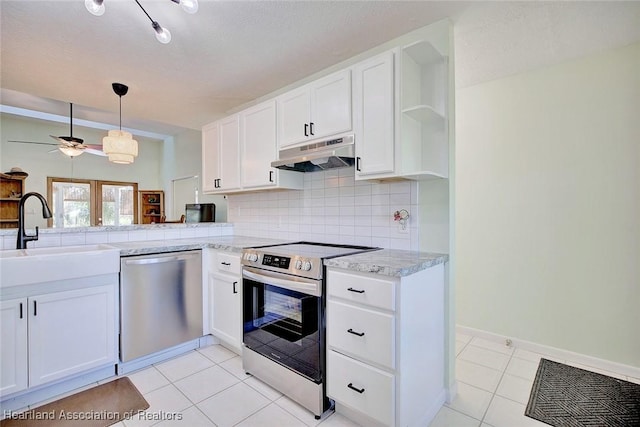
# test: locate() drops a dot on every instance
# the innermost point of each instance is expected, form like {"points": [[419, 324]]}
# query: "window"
{"points": [[84, 203]]}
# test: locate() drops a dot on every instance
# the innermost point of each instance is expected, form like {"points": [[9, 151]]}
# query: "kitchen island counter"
{"points": [[225, 243], [388, 262]]}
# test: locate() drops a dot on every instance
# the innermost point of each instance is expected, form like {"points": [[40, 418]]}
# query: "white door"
{"points": [[331, 105], [210, 157], [226, 306], [229, 153], [293, 117], [13, 353], [374, 115], [71, 332], [259, 146]]}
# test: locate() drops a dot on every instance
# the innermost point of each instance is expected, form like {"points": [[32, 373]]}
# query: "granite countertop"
{"points": [[388, 262], [226, 243]]}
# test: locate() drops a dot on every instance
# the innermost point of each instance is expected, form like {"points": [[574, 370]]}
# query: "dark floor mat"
{"points": [[566, 396]]}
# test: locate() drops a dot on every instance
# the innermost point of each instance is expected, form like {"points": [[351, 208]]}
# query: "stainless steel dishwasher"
{"points": [[160, 302]]}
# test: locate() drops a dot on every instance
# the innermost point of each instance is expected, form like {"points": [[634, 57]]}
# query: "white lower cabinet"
{"points": [[361, 387], [385, 345], [53, 336], [225, 298], [13, 335]]}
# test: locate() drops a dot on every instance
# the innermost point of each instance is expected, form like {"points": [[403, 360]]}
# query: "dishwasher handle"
{"points": [[159, 260]]}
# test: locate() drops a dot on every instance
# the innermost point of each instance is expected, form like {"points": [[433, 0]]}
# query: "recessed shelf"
{"points": [[424, 114], [423, 53]]}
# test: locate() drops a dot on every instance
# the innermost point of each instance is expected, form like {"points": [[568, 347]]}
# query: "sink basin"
{"points": [[39, 265]]}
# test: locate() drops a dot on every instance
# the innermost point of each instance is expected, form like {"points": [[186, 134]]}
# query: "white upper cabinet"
{"points": [[210, 158], [319, 109], [229, 153], [221, 155], [373, 115], [402, 111], [237, 153], [259, 145], [260, 148]]}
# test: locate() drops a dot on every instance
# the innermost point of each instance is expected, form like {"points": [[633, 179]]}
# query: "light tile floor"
{"points": [[208, 387]]}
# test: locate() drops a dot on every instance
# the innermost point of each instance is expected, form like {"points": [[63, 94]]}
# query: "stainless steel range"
{"points": [[284, 318]]}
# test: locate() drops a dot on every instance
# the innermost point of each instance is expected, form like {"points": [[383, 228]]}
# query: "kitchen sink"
{"points": [[39, 265]]}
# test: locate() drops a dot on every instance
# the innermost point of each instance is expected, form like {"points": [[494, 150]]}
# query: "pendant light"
{"points": [[119, 145]]}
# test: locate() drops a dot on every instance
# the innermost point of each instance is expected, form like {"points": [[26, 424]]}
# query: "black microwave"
{"points": [[200, 212]]}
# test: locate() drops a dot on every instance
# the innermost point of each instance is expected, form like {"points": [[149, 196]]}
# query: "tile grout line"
{"points": [[496, 389]]}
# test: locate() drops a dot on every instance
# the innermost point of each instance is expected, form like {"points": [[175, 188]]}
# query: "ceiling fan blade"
{"points": [[94, 146], [94, 151], [61, 141], [31, 142]]}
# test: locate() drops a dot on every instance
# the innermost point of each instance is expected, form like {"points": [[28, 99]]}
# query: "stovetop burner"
{"points": [[315, 250]]}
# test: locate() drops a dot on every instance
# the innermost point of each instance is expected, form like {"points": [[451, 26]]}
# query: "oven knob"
{"points": [[298, 265], [306, 266], [252, 257]]}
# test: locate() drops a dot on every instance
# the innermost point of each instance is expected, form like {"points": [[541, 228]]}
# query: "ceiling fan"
{"points": [[70, 145]]}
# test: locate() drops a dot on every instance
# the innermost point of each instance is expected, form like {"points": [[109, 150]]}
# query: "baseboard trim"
{"points": [[607, 365]]}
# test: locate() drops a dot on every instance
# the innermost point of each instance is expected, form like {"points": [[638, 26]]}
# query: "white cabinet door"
{"points": [[210, 157], [229, 153], [331, 105], [318, 109], [374, 115], [13, 354], [225, 292], [70, 332], [259, 145], [294, 117]]}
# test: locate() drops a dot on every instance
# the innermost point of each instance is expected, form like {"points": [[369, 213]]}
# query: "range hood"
{"points": [[318, 156]]}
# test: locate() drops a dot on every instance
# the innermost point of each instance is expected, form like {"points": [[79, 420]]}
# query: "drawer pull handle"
{"points": [[359, 390], [226, 263], [357, 291], [351, 331]]}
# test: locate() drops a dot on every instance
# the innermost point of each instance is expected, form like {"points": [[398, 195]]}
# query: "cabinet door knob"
{"points": [[306, 129], [270, 176], [358, 164], [351, 331], [311, 128], [359, 390], [357, 291], [21, 310], [235, 291], [35, 308]]}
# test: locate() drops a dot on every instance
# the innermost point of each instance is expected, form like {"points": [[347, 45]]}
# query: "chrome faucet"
{"points": [[23, 237]]}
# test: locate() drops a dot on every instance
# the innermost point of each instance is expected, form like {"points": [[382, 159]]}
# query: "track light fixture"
{"points": [[96, 7]]}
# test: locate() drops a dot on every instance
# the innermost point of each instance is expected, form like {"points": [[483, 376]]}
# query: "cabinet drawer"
{"points": [[363, 333], [227, 263], [364, 290], [375, 394]]}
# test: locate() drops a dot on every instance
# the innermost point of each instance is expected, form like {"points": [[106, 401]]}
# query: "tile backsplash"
{"points": [[334, 208]]}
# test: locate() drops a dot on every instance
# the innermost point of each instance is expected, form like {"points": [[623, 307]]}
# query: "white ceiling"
{"points": [[230, 52]]}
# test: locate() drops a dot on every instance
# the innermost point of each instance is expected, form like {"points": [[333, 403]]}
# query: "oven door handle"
{"points": [[310, 287]]}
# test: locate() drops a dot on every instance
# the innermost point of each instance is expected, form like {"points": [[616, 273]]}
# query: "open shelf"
{"points": [[423, 53], [425, 114]]}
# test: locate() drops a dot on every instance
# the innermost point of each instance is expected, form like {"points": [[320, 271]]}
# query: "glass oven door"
{"points": [[282, 324]]}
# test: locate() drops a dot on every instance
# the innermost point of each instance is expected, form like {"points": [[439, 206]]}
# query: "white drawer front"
{"points": [[364, 333], [377, 396], [364, 290], [228, 263]]}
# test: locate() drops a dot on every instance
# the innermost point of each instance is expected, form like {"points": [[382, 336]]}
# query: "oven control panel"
{"points": [[276, 261]]}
